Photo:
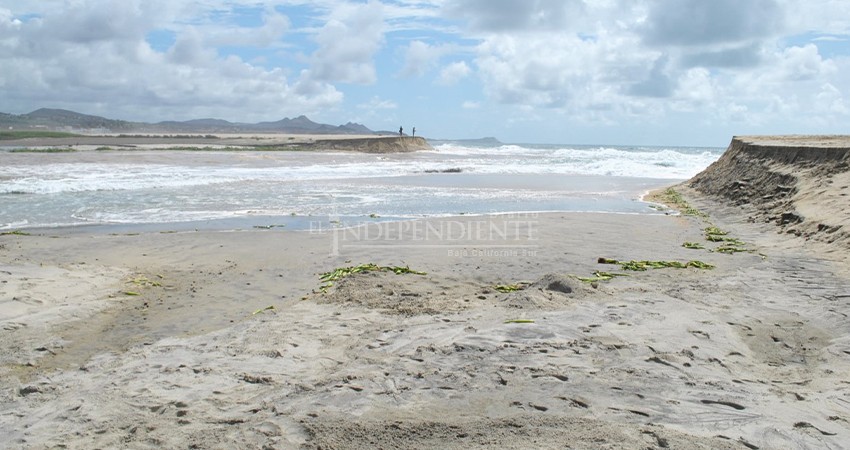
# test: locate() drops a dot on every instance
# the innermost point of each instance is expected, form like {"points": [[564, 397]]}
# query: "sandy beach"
{"points": [[507, 332]]}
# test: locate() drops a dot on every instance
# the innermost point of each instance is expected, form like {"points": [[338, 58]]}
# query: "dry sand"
{"points": [[752, 354]]}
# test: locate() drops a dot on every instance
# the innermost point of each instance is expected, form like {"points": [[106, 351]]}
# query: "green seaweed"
{"points": [[15, 233], [715, 230], [693, 245], [24, 134], [601, 276], [730, 244], [519, 321], [510, 287], [144, 281], [730, 249], [673, 197], [262, 310], [131, 293], [641, 266], [328, 278]]}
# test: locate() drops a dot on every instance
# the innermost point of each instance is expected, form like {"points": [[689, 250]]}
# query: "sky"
{"points": [[620, 72]]}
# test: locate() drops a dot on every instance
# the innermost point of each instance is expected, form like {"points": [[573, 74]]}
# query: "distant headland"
{"points": [[55, 130], [70, 121]]}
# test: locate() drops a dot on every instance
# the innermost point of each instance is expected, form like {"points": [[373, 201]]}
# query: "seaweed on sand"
{"points": [[328, 278], [511, 287], [645, 265]]}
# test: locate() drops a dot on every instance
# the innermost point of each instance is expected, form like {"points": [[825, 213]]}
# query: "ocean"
{"points": [[178, 190]]}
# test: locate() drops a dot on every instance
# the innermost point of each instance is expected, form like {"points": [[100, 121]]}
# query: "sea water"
{"points": [[229, 189]]}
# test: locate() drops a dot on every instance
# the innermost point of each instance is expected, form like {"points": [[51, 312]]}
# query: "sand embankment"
{"points": [[258, 142], [799, 183], [371, 145]]}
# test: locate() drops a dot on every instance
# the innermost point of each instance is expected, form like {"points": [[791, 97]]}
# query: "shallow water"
{"points": [[245, 188]]}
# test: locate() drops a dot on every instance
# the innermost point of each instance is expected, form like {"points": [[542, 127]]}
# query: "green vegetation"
{"points": [[693, 245], [144, 281], [14, 233], [601, 276], [43, 150], [644, 265], [262, 310], [510, 287], [10, 135], [328, 278], [729, 245], [730, 249], [674, 198], [519, 321], [714, 234]]}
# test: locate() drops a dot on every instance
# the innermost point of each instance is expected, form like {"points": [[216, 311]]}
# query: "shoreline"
{"points": [[213, 142], [285, 222]]}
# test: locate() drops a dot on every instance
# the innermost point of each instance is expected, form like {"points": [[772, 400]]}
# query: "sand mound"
{"points": [[549, 292], [394, 294], [799, 183], [511, 433]]}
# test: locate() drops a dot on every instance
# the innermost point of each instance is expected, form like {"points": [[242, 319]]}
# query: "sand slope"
{"points": [[799, 183]]}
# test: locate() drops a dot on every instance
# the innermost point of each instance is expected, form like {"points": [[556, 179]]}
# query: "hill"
{"points": [[64, 120]]}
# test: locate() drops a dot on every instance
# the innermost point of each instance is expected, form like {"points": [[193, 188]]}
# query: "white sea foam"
{"points": [[139, 187], [631, 162]]}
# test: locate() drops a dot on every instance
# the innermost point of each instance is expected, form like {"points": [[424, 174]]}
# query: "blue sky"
{"points": [[642, 72]]}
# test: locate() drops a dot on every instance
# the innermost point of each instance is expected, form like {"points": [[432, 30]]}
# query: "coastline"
{"points": [[749, 353], [219, 142]]}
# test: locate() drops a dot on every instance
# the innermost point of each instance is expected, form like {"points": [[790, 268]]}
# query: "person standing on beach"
{"points": [[414, 132], [400, 131]]}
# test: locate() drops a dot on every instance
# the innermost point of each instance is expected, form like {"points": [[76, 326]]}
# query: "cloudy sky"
{"points": [[648, 72]]}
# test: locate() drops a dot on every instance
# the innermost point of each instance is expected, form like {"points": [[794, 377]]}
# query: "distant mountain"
{"points": [[56, 119], [64, 120]]}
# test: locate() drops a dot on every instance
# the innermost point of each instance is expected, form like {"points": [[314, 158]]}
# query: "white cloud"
{"points": [[377, 103], [348, 42], [470, 105], [453, 73], [699, 22], [831, 100], [606, 62], [803, 63], [92, 56], [419, 57], [511, 15], [628, 61]]}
